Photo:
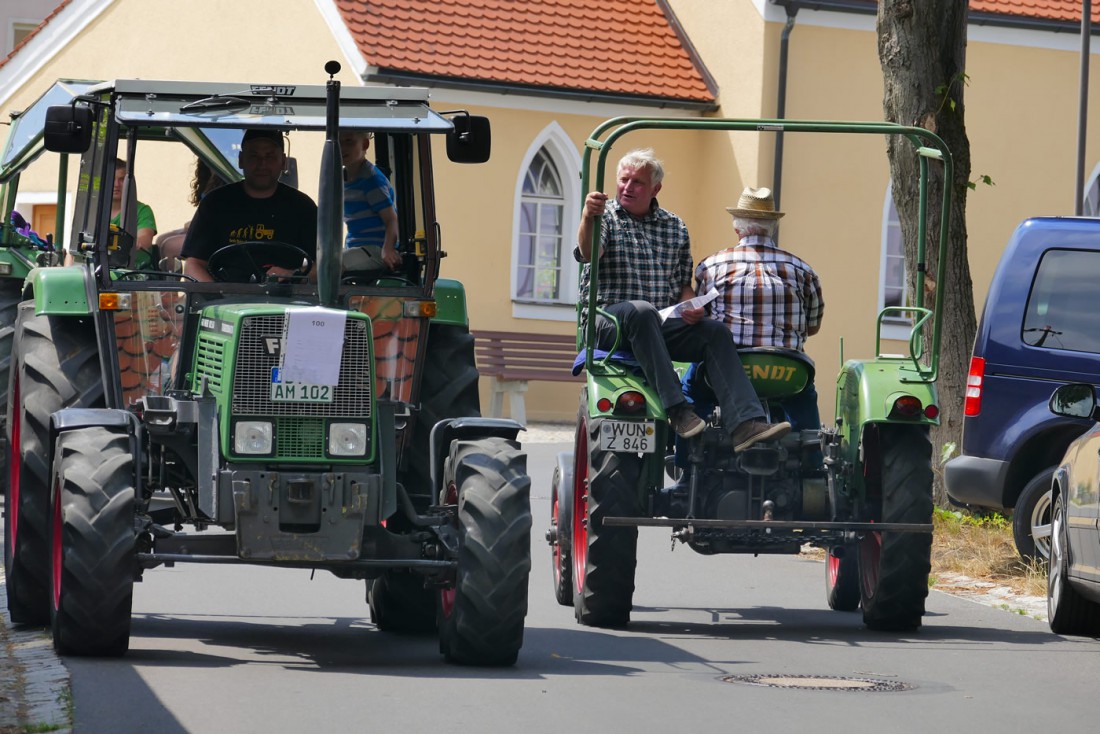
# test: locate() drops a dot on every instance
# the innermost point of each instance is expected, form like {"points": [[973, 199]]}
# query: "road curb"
{"points": [[34, 683]]}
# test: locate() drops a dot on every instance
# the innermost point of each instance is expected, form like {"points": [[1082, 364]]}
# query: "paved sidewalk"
{"points": [[34, 684]]}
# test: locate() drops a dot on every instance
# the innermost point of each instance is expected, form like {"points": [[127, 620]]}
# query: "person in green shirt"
{"points": [[146, 222]]}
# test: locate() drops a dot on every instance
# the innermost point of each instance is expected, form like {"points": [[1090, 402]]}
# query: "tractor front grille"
{"points": [[252, 376]]}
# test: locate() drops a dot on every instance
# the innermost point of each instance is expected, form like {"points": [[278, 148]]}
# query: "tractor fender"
{"points": [[450, 300], [613, 386], [446, 431], [59, 291], [70, 419]]}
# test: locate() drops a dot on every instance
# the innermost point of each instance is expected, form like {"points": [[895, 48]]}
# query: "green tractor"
{"points": [[861, 490], [328, 422], [22, 249]]}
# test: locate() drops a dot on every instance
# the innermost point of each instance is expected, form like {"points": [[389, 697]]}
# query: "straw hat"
{"points": [[755, 204]]}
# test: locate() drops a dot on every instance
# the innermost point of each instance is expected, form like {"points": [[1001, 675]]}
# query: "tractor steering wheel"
{"points": [[248, 262]]}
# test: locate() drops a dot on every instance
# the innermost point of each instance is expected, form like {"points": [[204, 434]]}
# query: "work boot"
{"points": [[753, 432], [685, 422]]}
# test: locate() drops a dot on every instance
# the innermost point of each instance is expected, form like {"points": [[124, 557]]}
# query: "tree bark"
{"points": [[922, 51]]}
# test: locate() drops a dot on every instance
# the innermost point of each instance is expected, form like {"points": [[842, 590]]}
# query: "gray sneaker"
{"points": [[753, 432], [685, 422]]}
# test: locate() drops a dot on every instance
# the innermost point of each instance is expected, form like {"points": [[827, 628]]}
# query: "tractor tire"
{"points": [[561, 529], [842, 581], [1068, 613], [56, 366], [894, 567], [1031, 526], [93, 542], [448, 389], [10, 296], [481, 617], [604, 558], [400, 602]]}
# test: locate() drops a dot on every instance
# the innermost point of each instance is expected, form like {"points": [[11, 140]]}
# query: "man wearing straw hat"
{"points": [[767, 297], [645, 266]]}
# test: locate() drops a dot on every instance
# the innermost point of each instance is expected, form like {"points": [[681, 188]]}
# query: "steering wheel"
{"points": [[248, 262]]}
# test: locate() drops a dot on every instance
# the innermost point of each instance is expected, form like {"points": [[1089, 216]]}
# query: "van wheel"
{"points": [[1031, 519]]}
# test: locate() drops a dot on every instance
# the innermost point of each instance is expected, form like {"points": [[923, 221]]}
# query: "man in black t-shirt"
{"points": [[257, 209]]}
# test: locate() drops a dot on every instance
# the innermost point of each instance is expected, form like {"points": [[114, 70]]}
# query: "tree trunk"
{"points": [[922, 50]]}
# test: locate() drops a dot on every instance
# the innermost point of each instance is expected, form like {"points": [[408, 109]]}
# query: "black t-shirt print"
{"points": [[229, 216]]}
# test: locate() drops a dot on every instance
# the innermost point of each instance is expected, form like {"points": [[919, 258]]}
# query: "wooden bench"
{"points": [[511, 359]]}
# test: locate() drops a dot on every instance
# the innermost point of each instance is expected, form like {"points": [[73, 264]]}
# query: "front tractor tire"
{"points": [[92, 542], [894, 567], [10, 296], [604, 558], [481, 616], [56, 366]]}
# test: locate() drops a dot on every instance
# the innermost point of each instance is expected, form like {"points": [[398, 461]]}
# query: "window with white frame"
{"points": [[892, 271], [544, 273], [538, 272]]}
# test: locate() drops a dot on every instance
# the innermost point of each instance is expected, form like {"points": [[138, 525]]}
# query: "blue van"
{"points": [[1038, 331]]}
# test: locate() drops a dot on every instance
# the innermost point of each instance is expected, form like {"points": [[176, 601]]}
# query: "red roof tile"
{"points": [[35, 32], [1057, 10], [618, 47]]}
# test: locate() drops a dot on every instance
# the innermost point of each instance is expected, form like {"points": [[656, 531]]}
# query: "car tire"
{"points": [[1031, 525], [1068, 613]]}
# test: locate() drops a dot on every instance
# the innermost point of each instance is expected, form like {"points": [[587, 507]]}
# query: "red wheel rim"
{"points": [[55, 549], [447, 593], [554, 520], [13, 465], [832, 568], [580, 507]]}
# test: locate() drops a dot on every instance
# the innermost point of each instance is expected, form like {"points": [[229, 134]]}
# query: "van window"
{"points": [[1061, 308]]}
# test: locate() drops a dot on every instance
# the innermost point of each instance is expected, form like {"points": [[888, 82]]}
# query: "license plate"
{"points": [[283, 391], [635, 437]]}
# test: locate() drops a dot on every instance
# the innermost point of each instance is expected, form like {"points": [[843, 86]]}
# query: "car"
{"points": [[1073, 579], [1038, 327]]}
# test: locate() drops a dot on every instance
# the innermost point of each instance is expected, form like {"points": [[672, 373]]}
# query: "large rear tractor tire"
{"points": [[10, 295], [400, 602], [481, 617], [604, 558], [842, 580], [1031, 526], [1068, 613], [448, 389], [894, 567], [92, 542], [561, 529], [56, 366]]}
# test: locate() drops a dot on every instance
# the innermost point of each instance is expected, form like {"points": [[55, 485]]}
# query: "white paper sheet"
{"points": [[674, 311], [314, 344]]}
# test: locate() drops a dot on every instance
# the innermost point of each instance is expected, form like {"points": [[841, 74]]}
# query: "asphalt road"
{"points": [[723, 642]]}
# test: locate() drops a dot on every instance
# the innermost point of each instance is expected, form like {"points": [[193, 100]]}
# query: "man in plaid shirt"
{"points": [[645, 265], [767, 296]]}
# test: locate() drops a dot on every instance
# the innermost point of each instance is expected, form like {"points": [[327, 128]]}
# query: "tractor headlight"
{"points": [[347, 439], [253, 437]]}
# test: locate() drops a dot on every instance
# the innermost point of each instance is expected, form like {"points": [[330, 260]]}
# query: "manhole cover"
{"points": [[819, 682]]}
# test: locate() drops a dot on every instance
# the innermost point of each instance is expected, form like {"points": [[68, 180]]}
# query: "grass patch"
{"points": [[981, 547]]}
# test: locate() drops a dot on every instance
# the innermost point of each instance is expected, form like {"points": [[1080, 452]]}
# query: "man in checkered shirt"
{"points": [[767, 296], [644, 266]]}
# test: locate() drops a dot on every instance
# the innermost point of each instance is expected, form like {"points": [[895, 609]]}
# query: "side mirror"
{"points": [[1077, 400], [471, 139], [68, 128]]}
